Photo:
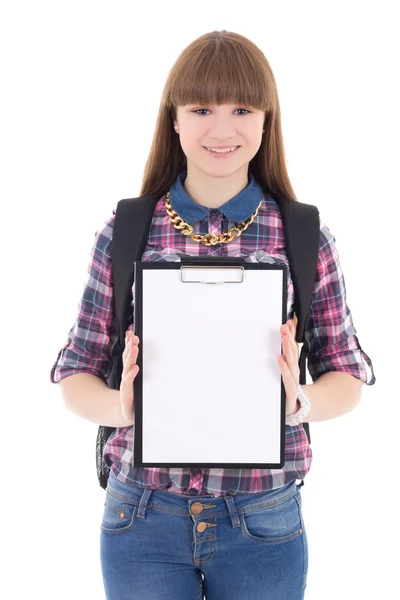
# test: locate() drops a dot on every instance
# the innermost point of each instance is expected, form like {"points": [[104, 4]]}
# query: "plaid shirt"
{"points": [[334, 345]]}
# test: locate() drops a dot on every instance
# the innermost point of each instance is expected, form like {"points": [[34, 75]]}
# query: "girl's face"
{"points": [[201, 126]]}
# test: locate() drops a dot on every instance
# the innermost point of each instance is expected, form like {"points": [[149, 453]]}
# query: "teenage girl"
{"points": [[217, 159]]}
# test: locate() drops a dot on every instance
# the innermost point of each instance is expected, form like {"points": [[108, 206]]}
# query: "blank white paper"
{"points": [[211, 381]]}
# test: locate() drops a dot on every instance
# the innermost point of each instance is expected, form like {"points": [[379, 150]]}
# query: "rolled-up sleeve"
{"points": [[330, 332], [90, 339]]}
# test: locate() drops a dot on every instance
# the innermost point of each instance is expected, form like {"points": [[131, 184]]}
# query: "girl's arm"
{"points": [[332, 395], [337, 363], [84, 362], [90, 340], [90, 398]]}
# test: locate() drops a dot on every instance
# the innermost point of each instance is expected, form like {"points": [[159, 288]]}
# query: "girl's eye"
{"points": [[245, 109]]}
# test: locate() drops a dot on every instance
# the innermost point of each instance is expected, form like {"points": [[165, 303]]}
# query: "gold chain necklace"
{"points": [[209, 239]]}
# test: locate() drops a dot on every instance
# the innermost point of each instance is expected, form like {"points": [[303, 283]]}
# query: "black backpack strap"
{"points": [[132, 222], [131, 227], [301, 226]]}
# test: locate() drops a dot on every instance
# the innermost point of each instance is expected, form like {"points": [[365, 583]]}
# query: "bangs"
{"points": [[223, 73]]}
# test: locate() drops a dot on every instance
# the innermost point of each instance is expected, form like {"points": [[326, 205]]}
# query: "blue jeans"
{"points": [[156, 545]]}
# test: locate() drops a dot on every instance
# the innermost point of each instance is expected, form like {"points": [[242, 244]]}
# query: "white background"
{"points": [[81, 85]]}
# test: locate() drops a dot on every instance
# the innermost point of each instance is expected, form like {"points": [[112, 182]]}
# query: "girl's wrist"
{"points": [[297, 407], [298, 417]]}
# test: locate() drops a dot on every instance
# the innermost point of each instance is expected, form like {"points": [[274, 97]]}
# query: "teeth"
{"points": [[225, 150]]}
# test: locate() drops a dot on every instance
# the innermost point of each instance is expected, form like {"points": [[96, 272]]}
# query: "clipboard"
{"points": [[209, 391]]}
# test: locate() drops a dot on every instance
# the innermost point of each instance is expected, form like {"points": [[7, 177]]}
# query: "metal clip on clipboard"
{"points": [[239, 271]]}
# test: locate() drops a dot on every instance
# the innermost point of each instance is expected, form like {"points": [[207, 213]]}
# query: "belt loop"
{"points": [[232, 511], [143, 504]]}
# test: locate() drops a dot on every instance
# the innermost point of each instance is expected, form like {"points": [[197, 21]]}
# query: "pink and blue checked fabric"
{"points": [[334, 345]]}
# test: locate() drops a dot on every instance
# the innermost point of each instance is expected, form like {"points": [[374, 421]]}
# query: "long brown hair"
{"points": [[220, 67]]}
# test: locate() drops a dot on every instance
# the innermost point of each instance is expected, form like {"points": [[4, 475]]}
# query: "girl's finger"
{"points": [[290, 384], [290, 355], [131, 341], [132, 371], [294, 344], [287, 349], [129, 335], [132, 354], [293, 338], [295, 349]]}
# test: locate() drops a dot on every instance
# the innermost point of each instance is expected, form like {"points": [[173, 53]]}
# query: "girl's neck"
{"points": [[212, 191]]}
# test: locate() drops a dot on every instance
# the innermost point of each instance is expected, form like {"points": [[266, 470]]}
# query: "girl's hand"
{"points": [[289, 364], [129, 372]]}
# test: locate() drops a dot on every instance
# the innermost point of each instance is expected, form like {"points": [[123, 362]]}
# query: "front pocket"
{"points": [[118, 515], [275, 524]]}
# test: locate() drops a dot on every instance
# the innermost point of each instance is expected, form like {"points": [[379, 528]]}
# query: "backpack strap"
{"points": [[131, 227], [301, 226]]}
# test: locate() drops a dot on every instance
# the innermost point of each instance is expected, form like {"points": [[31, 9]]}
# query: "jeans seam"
{"points": [[303, 581]]}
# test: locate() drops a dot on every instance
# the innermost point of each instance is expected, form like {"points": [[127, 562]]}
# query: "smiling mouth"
{"points": [[222, 153]]}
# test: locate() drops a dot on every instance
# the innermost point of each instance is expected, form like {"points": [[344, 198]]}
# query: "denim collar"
{"points": [[238, 208]]}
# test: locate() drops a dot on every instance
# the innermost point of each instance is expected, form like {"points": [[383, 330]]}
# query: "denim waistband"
{"points": [[211, 506]]}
